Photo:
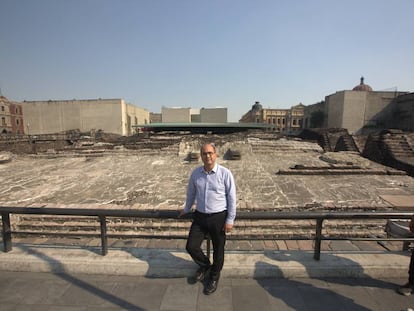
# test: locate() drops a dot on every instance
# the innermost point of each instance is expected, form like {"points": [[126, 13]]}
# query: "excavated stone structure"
{"points": [[144, 172]]}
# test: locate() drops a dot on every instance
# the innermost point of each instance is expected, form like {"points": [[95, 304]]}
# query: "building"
{"points": [[175, 115], [359, 110], [194, 115], [109, 115], [280, 120], [314, 115], [155, 117], [213, 115], [402, 113], [11, 114]]}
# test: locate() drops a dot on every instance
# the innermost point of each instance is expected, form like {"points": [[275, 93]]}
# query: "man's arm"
{"points": [[231, 202], [190, 198]]}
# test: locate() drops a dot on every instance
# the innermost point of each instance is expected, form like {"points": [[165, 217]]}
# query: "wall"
{"points": [[134, 116], [5, 115], [109, 115], [176, 115], [213, 115], [403, 113], [355, 112], [16, 119], [333, 109], [368, 111], [309, 110]]}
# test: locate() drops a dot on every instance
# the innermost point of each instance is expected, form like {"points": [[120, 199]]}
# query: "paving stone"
{"points": [[292, 245], [182, 297], [250, 298], [305, 245], [343, 245], [281, 245], [221, 300]]}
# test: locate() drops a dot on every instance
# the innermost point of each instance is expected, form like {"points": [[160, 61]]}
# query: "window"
{"points": [[3, 121], [2, 108]]}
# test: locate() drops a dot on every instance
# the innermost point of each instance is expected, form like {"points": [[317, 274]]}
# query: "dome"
{"points": [[362, 86], [257, 106]]}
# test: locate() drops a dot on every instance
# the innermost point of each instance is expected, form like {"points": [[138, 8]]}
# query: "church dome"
{"points": [[257, 106], [362, 86]]}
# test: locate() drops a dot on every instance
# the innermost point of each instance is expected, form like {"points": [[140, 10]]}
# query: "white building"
{"points": [[55, 116]]}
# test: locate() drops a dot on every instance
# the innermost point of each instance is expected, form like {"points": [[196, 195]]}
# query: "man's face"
{"points": [[208, 155]]}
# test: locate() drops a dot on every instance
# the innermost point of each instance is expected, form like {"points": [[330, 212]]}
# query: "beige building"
{"points": [[109, 115], [194, 115], [213, 115], [359, 110], [402, 113], [280, 120]]}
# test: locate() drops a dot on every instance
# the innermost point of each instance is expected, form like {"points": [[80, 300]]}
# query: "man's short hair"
{"points": [[211, 144]]}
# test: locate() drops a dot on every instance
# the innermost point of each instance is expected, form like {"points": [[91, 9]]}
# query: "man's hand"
{"points": [[181, 213], [227, 228]]}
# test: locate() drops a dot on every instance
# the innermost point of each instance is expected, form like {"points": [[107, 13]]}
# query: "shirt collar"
{"points": [[214, 170]]}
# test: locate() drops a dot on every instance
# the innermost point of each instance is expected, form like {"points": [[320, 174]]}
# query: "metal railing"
{"points": [[102, 214]]}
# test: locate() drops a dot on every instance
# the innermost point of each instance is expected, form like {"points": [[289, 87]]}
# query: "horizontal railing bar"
{"points": [[165, 214], [229, 237], [103, 213], [72, 234], [366, 239]]}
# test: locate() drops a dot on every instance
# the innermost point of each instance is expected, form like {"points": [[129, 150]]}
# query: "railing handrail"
{"points": [[102, 213], [165, 214]]}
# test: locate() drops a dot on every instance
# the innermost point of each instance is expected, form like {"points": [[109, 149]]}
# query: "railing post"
{"points": [[6, 232], [318, 239], [104, 238]]}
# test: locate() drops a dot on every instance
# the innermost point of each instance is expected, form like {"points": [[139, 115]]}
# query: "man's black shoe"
{"points": [[201, 273], [211, 287]]}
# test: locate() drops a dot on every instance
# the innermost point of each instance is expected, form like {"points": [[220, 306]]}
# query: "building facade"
{"points": [[279, 120], [213, 115], [360, 110], [11, 117], [193, 115], [402, 113], [109, 115]]}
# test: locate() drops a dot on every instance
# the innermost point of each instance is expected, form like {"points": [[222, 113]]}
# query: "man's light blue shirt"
{"points": [[213, 192]]}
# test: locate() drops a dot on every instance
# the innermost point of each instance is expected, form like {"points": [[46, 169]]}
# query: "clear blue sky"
{"points": [[210, 53]]}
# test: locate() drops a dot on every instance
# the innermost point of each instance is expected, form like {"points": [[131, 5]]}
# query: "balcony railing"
{"points": [[102, 215]]}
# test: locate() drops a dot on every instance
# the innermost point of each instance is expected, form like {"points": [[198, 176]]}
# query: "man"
{"points": [[408, 288], [212, 187]]}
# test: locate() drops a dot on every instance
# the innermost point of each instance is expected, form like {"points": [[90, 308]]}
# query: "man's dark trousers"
{"points": [[212, 224]]}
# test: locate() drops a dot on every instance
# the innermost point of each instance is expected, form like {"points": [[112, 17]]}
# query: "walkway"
{"points": [[49, 291], [53, 277]]}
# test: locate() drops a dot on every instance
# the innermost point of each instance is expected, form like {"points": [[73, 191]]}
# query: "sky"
{"points": [[203, 54]]}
